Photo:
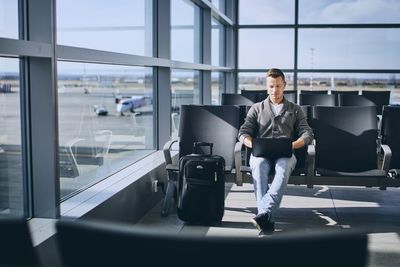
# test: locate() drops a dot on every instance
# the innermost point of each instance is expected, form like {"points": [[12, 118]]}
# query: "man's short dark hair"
{"points": [[275, 73]]}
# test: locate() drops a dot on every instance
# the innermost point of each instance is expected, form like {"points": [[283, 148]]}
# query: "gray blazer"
{"points": [[290, 122]]}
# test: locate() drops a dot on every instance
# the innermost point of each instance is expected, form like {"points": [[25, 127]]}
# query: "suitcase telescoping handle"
{"points": [[199, 144]]}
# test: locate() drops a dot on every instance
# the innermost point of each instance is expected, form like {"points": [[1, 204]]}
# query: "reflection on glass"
{"points": [[185, 90], [349, 11], [185, 31], [11, 178], [220, 4], [256, 81], [217, 43], [9, 19], [349, 48], [119, 26], [351, 82], [266, 12], [105, 121], [266, 48], [217, 87]]}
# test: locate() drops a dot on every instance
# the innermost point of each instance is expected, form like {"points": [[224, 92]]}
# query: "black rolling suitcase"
{"points": [[201, 187]]}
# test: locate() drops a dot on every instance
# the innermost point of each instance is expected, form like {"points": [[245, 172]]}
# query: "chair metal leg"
{"points": [[382, 184], [169, 198]]}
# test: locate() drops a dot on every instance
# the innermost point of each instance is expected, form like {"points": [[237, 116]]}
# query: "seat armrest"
{"points": [[310, 164], [167, 151], [311, 150], [172, 167], [238, 148], [387, 156], [238, 163]]}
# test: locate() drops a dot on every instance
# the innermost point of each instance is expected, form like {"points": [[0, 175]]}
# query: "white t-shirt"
{"points": [[276, 108]]}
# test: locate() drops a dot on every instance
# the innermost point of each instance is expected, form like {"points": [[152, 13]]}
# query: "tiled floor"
{"points": [[321, 208]]}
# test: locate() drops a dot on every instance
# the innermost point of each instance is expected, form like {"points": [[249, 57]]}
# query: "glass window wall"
{"points": [[185, 31], [220, 4], [256, 81], [185, 90], [348, 11], [266, 12], [217, 87], [349, 48], [123, 26], [217, 43], [9, 19], [11, 176], [105, 121], [266, 48]]}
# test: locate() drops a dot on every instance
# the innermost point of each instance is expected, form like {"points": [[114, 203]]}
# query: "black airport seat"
{"points": [[291, 95], [348, 100], [351, 92], [380, 98], [318, 92], [235, 99], [203, 123], [255, 95], [317, 100], [346, 147], [390, 132]]}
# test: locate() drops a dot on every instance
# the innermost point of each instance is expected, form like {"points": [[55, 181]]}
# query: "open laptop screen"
{"points": [[272, 148]]}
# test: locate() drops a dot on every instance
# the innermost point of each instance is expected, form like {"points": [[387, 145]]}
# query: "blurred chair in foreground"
{"points": [[85, 243], [16, 247]]}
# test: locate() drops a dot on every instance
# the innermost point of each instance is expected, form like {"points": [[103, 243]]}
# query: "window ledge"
{"points": [[87, 200]]}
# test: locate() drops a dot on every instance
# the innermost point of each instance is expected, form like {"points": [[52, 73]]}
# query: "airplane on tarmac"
{"points": [[129, 104]]}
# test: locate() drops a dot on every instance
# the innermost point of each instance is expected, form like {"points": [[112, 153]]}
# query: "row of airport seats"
{"points": [[344, 152], [378, 99], [16, 246], [317, 97], [88, 243]]}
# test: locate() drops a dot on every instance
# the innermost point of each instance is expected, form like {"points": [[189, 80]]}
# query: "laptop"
{"points": [[272, 148]]}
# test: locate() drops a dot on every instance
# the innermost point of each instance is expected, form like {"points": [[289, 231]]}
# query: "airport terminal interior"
{"points": [[100, 99]]}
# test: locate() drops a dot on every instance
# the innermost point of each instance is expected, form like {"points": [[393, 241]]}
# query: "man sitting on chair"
{"points": [[275, 117]]}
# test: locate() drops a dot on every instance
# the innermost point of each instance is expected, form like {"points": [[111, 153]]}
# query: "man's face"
{"points": [[275, 87]]}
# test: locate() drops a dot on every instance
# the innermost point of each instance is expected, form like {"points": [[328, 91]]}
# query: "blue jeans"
{"points": [[269, 198]]}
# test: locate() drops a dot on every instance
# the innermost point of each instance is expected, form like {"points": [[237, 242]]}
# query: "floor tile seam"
{"points": [[335, 210]]}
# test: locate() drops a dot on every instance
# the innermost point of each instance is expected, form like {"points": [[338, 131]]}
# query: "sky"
{"points": [[319, 11], [320, 48]]}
